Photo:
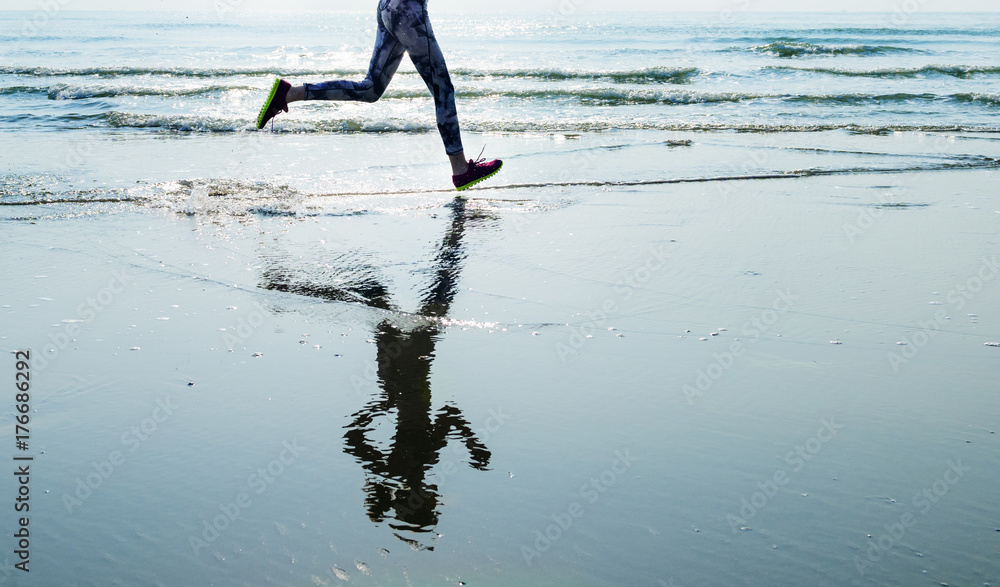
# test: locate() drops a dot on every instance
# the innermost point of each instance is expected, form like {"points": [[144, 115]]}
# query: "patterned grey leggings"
{"points": [[403, 27]]}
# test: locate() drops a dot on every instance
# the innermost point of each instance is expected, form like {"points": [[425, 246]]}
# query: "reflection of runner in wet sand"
{"points": [[403, 27], [396, 478]]}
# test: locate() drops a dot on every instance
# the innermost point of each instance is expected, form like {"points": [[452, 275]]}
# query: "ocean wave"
{"points": [[74, 92], [678, 75], [209, 124], [987, 99], [789, 48], [177, 72], [585, 96], [959, 71], [602, 96], [863, 99], [627, 97], [653, 74], [23, 90], [212, 124]]}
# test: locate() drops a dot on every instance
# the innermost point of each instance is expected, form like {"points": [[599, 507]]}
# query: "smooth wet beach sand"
{"points": [[624, 382]]}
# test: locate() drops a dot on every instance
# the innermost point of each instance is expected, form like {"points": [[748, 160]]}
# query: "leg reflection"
{"points": [[398, 486], [397, 477]]}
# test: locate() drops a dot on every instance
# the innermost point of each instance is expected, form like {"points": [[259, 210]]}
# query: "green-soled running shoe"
{"points": [[275, 102], [479, 170]]}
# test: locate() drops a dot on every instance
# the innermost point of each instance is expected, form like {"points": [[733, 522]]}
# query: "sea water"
{"points": [[128, 93]]}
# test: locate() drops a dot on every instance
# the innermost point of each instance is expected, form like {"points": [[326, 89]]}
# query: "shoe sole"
{"points": [[481, 179], [267, 103]]}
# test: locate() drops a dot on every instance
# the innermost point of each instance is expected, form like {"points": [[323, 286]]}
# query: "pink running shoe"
{"points": [[275, 102], [479, 170]]}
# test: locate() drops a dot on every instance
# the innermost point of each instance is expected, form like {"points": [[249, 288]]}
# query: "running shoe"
{"points": [[275, 102], [478, 171]]}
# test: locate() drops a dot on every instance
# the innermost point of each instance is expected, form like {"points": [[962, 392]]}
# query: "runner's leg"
{"points": [[408, 22], [386, 57]]}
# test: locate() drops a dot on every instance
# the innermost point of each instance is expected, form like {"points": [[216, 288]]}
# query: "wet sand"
{"points": [[637, 382]]}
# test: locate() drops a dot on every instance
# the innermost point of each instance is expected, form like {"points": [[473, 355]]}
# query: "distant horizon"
{"points": [[527, 11], [564, 7]]}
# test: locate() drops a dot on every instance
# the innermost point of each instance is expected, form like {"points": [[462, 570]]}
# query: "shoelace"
{"points": [[479, 158]]}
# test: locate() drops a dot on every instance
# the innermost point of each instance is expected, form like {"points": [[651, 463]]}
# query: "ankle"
{"points": [[458, 164], [295, 94]]}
